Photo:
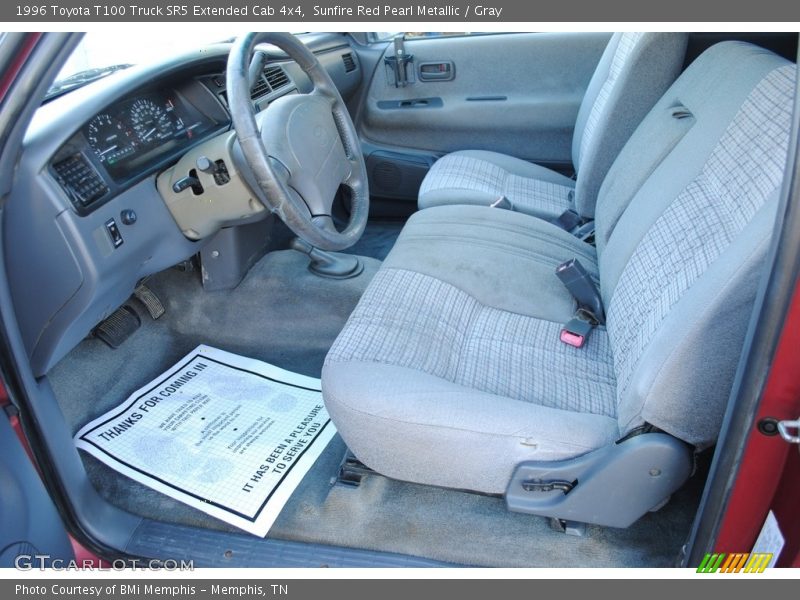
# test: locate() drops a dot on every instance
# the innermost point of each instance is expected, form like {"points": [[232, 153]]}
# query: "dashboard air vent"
{"points": [[259, 89], [80, 180], [349, 62], [276, 77]]}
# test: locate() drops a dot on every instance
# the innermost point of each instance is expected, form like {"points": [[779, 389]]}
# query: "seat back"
{"points": [[633, 72], [681, 264]]}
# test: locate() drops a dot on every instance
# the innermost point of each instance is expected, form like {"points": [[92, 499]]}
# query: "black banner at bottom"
{"points": [[389, 589]]}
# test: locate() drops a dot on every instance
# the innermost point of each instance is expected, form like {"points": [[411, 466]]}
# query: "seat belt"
{"points": [[590, 312], [571, 222], [576, 224], [568, 220]]}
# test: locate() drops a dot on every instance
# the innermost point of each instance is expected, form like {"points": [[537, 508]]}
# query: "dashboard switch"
{"points": [[128, 216], [114, 233], [216, 168], [206, 165], [185, 183]]}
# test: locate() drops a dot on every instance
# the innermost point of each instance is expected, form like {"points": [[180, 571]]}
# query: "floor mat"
{"points": [[228, 435]]}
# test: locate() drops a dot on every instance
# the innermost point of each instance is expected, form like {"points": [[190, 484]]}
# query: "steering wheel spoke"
{"points": [[325, 95], [353, 178], [301, 148]]}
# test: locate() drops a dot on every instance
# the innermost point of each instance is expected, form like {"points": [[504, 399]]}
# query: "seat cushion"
{"points": [[422, 368], [502, 259], [454, 348], [480, 178]]}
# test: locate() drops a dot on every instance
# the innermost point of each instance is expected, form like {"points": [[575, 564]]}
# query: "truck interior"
{"points": [[523, 265]]}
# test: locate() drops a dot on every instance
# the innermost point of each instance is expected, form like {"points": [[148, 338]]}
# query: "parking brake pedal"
{"points": [[117, 328], [151, 302]]}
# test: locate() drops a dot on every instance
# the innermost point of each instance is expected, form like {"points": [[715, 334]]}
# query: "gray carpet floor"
{"points": [[378, 239], [284, 315]]}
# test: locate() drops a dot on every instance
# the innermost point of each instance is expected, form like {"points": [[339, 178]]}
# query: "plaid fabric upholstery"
{"points": [[454, 172], [627, 43], [743, 170], [412, 320]]}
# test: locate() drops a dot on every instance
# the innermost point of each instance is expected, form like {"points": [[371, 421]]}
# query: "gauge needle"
{"points": [[107, 150], [148, 134]]}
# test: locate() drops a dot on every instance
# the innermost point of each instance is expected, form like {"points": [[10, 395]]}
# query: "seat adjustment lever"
{"points": [[540, 485]]}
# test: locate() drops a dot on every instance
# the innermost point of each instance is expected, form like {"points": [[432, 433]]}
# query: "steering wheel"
{"points": [[301, 148]]}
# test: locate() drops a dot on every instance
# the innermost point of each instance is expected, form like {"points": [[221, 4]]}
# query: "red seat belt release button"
{"points": [[573, 339], [576, 332]]}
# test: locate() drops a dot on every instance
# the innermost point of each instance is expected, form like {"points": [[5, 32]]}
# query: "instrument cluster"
{"points": [[131, 134]]}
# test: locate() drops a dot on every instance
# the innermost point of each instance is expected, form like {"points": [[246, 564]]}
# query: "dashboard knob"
{"points": [[128, 217], [206, 165]]}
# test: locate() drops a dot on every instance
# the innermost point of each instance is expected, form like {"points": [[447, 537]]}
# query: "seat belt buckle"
{"points": [[582, 288], [576, 332], [568, 220]]}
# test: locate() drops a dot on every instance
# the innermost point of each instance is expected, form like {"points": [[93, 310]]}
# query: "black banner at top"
{"points": [[470, 11]]}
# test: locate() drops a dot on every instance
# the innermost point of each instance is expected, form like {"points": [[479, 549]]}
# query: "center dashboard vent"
{"points": [[276, 77], [261, 88], [349, 62]]}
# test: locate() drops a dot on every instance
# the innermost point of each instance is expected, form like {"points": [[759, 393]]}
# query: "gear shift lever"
{"points": [[329, 264]]}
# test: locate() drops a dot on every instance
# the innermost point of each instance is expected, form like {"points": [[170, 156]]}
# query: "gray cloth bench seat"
{"points": [[450, 370], [634, 71]]}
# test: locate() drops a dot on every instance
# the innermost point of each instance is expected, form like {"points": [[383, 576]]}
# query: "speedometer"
{"points": [[109, 138], [150, 121]]}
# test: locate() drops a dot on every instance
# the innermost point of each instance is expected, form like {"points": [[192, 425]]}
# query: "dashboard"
{"points": [[133, 136], [139, 131], [86, 221]]}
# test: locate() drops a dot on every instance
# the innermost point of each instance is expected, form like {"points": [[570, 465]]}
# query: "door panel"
{"points": [[512, 93], [29, 522]]}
